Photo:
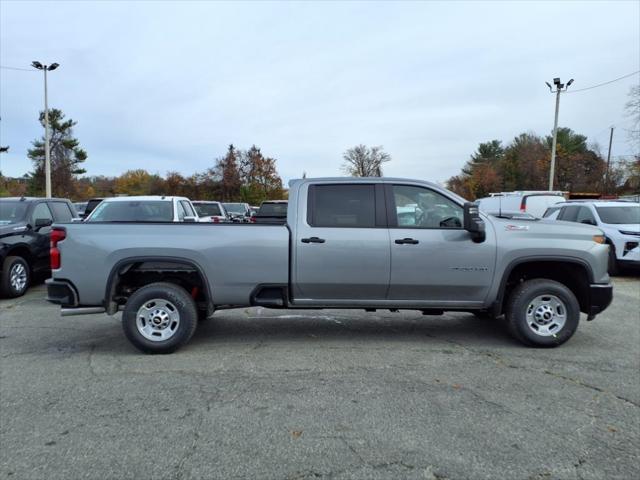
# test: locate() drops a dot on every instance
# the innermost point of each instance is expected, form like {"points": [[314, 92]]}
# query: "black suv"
{"points": [[25, 225]]}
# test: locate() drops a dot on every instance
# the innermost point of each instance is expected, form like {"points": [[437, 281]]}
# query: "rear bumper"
{"points": [[61, 293], [600, 297]]}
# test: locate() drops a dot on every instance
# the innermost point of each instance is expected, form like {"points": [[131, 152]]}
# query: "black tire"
{"points": [[9, 267], [613, 268], [524, 295], [176, 297]]}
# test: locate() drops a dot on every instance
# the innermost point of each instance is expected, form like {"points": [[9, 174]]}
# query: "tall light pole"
{"points": [[560, 87], [47, 157]]}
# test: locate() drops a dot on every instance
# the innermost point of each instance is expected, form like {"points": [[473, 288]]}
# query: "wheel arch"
{"points": [[537, 267], [124, 265]]}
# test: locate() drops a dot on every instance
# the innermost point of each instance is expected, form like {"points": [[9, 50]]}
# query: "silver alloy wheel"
{"points": [[157, 320], [18, 277], [546, 315]]}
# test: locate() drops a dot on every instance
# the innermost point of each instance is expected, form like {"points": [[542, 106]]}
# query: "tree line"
{"points": [[524, 163], [239, 176]]}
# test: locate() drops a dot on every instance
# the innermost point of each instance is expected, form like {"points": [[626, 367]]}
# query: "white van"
{"points": [[532, 202]]}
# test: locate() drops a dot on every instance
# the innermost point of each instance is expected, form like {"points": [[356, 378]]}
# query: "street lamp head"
{"points": [[556, 81], [569, 82], [37, 65], [53, 66], [549, 85]]}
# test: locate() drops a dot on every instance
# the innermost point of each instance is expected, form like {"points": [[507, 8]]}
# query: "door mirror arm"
{"points": [[473, 222]]}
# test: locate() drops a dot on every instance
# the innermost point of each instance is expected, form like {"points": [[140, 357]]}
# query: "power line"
{"points": [[17, 68], [605, 83]]}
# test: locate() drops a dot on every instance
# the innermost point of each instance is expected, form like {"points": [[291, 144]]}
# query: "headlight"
{"points": [[599, 239]]}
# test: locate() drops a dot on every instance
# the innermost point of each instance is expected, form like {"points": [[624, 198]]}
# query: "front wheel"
{"points": [[160, 318], [542, 313], [16, 277], [613, 268]]}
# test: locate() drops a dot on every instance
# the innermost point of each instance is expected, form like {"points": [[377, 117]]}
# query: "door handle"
{"points": [[409, 241], [313, 240]]}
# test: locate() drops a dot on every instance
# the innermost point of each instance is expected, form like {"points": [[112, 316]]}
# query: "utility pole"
{"points": [[559, 88], [47, 153], [607, 185]]}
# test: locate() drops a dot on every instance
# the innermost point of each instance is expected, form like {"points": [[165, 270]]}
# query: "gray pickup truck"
{"points": [[371, 243]]}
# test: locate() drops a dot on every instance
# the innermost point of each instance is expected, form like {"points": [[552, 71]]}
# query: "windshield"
{"points": [[12, 212], [620, 215], [208, 209], [273, 210], [133, 211], [235, 208]]}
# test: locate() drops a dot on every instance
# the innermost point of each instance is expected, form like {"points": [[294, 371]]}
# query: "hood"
{"points": [[12, 229], [632, 228], [545, 228]]}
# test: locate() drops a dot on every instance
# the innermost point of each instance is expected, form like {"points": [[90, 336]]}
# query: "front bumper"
{"points": [[61, 293], [600, 297]]}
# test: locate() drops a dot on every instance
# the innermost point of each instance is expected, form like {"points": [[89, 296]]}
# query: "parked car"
{"points": [[342, 247], [533, 202], [619, 220], [144, 209], [25, 225], [80, 208], [239, 212], [211, 211], [271, 211]]}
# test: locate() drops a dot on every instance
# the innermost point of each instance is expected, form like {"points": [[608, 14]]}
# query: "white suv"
{"points": [[150, 208], [619, 220]]}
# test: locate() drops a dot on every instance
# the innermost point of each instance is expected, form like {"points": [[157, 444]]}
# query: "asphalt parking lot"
{"points": [[319, 394]]}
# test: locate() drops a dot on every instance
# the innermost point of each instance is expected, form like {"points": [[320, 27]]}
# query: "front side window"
{"points": [[418, 207], [61, 211], [187, 209], [342, 206], [41, 211], [12, 212], [585, 216], [570, 214]]}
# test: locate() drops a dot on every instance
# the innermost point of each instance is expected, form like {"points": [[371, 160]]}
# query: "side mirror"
{"points": [[42, 222], [190, 219], [473, 223]]}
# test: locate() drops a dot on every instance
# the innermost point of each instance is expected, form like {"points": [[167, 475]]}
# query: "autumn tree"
{"points": [[632, 110], [139, 182], [363, 161], [259, 177], [227, 170], [65, 154]]}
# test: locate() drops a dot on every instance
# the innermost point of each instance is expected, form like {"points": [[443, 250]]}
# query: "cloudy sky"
{"points": [[168, 85]]}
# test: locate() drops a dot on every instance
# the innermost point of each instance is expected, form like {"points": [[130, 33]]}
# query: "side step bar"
{"points": [[67, 312]]}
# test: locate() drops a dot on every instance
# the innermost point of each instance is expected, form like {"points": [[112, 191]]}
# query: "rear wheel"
{"points": [[160, 318], [16, 277], [542, 313]]}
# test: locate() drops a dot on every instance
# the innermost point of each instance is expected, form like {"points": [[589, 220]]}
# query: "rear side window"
{"points": [[341, 206], [61, 212], [273, 210], [551, 211], [208, 209]]}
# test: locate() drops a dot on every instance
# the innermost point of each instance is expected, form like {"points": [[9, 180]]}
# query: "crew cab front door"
{"points": [[433, 259], [341, 246]]}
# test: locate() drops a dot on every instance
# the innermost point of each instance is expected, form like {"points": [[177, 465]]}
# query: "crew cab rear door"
{"points": [[433, 259], [341, 244]]}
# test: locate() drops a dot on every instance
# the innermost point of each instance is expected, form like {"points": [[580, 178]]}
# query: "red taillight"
{"points": [[57, 235], [252, 219], [523, 204], [215, 219]]}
